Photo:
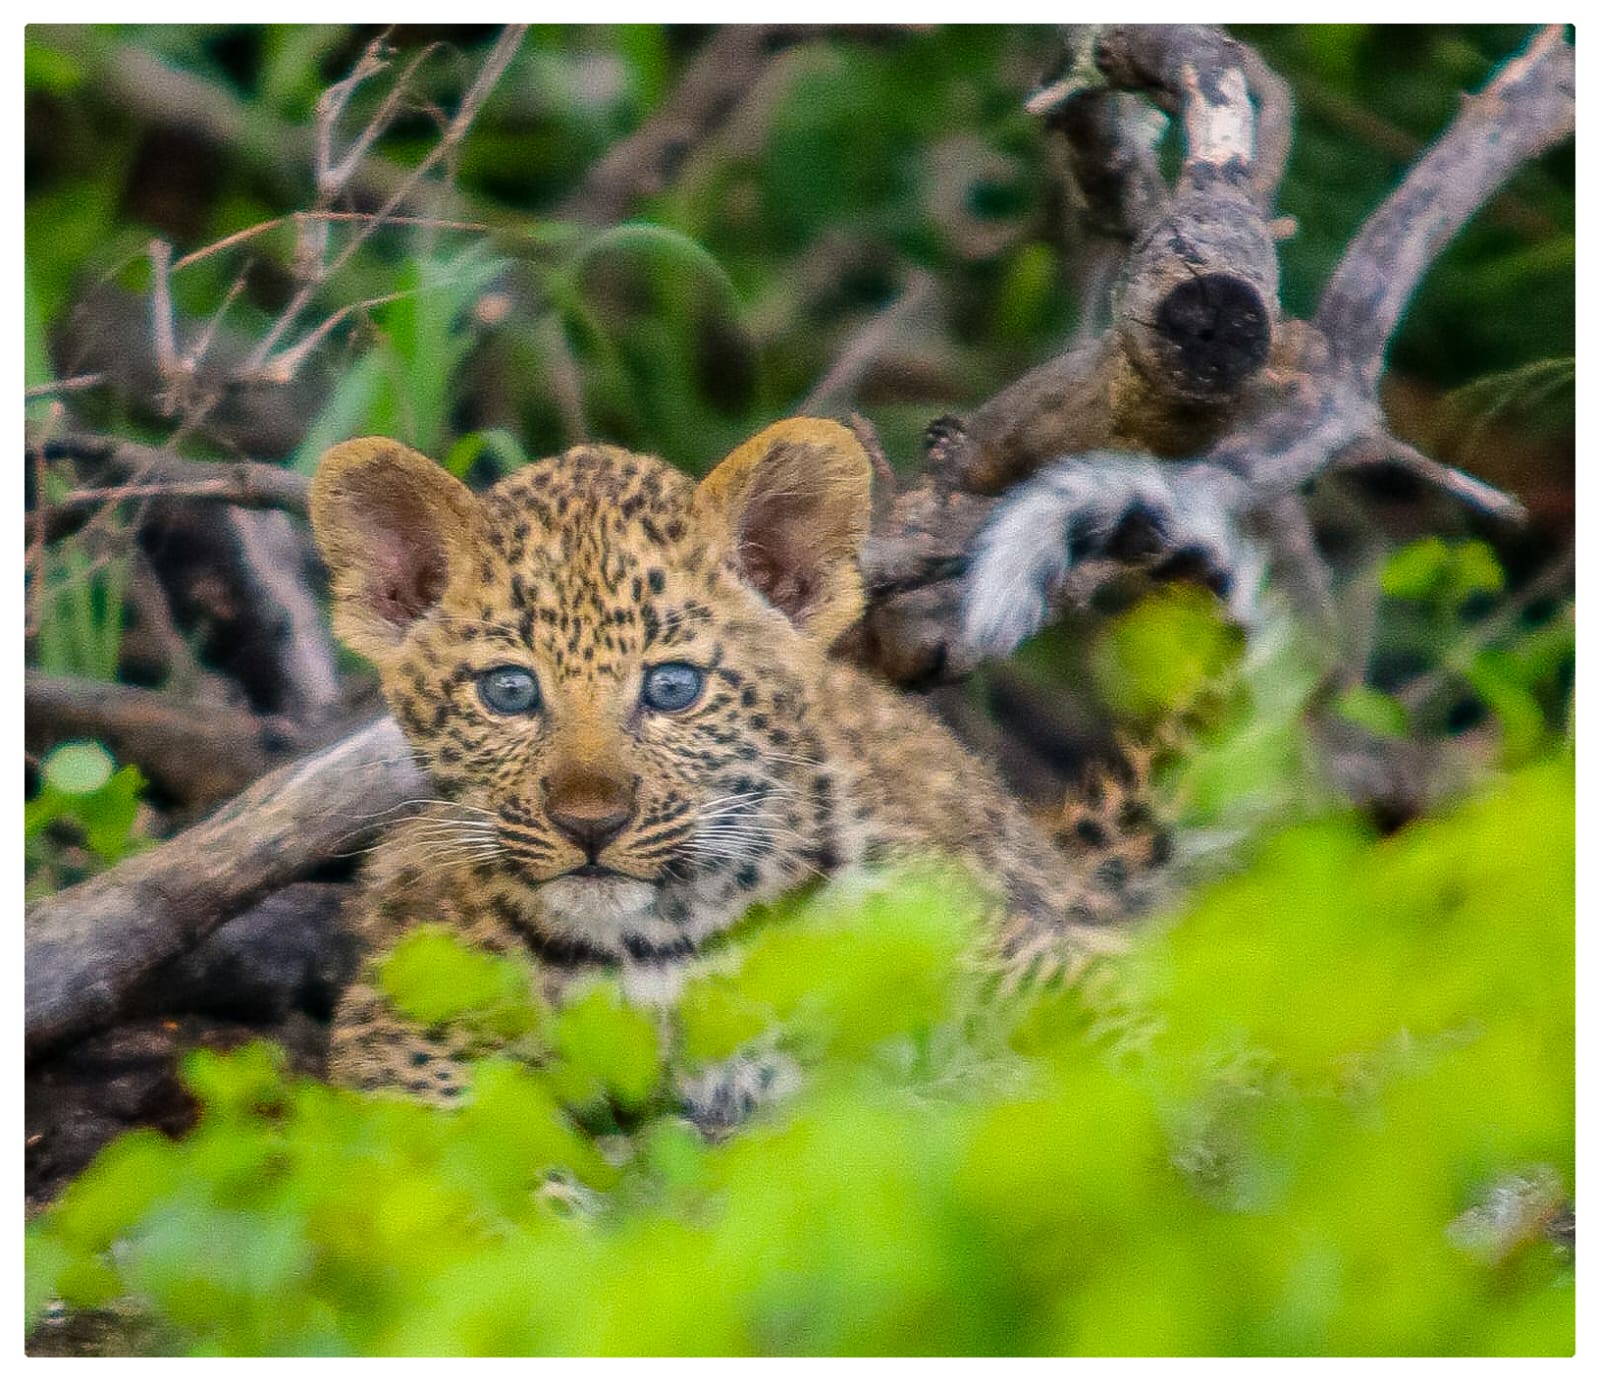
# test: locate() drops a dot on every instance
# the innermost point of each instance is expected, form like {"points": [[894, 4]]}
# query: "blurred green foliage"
{"points": [[83, 818], [81, 614], [1509, 665], [1252, 1134]]}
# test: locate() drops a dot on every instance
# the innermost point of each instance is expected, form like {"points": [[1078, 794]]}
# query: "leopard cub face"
{"points": [[611, 673]]}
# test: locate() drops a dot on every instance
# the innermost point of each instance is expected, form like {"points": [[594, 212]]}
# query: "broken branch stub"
{"points": [[1198, 300], [1194, 316]]}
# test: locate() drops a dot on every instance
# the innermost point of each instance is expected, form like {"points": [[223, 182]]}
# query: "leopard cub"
{"points": [[618, 682]]}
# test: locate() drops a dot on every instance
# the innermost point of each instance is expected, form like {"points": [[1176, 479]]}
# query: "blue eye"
{"points": [[509, 690], [672, 686]]}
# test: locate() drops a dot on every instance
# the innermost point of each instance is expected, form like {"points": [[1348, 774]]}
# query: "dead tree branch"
{"points": [[111, 464], [1197, 365], [499, 58], [867, 345], [197, 753], [141, 84], [1529, 106], [88, 947], [1194, 316]]}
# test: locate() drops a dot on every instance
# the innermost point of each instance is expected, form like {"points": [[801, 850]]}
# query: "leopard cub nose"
{"points": [[589, 809]]}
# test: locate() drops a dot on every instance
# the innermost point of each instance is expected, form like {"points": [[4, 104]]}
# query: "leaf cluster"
{"points": [[1251, 1135]]}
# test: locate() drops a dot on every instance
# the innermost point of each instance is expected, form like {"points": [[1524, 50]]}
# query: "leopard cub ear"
{"points": [[795, 503], [393, 527]]}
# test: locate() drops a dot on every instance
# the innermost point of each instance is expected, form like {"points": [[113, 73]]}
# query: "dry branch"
{"points": [[1194, 315], [108, 332], [1528, 107], [141, 84], [118, 469], [272, 557], [870, 342], [88, 947], [1104, 151], [1311, 406], [195, 752], [261, 361]]}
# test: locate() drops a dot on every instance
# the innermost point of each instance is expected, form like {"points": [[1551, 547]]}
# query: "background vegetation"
{"points": [[1325, 1106]]}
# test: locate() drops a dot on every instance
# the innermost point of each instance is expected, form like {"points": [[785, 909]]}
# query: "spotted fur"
{"points": [[588, 569]]}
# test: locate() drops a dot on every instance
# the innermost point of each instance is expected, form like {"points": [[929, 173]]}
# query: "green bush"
{"points": [[1264, 1130]]}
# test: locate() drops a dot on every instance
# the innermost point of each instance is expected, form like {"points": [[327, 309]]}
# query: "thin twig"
{"points": [[158, 472], [33, 566], [196, 354], [493, 68], [142, 84], [60, 386], [1467, 489], [240, 237], [162, 331], [867, 345]]}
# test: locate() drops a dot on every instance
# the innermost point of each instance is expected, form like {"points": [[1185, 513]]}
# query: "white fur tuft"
{"points": [[1026, 551]]}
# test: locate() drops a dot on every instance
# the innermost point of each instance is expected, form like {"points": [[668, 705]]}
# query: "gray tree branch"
{"points": [[88, 947]]}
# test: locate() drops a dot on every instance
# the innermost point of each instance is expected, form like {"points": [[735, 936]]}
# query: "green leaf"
{"points": [[606, 1046], [241, 1081], [656, 326], [44, 1258], [81, 612], [1416, 571], [1433, 569], [1026, 292], [36, 366], [513, 1133], [109, 815], [116, 1191], [1475, 569], [1493, 676], [433, 977], [1382, 714], [1161, 657], [860, 965], [78, 769], [715, 1017], [429, 335], [668, 251]]}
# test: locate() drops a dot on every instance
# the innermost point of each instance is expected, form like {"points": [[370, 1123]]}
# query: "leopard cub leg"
{"points": [[376, 1050]]}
